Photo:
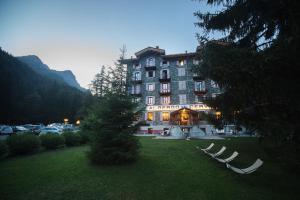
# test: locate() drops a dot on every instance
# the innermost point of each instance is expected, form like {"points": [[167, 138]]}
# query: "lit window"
{"points": [[181, 62], [182, 85], [182, 99], [150, 100], [165, 87], [181, 71], [165, 116], [150, 86], [150, 116], [150, 74], [200, 86], [136, 100], [165, 100]]}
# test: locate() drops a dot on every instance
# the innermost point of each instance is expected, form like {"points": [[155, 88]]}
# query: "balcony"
{"points": [[136, 93], [136, 80], [165, 92], [200, 91], [165, 79], [150, 67], [197, 77]]}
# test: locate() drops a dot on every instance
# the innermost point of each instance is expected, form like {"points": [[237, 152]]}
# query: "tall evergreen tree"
{"points": [[256, 64]]}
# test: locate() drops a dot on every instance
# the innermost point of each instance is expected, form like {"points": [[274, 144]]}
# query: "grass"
{"points": [[167, 169]]}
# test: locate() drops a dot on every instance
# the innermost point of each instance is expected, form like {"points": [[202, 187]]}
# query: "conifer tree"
{"points": [[256, 64]]}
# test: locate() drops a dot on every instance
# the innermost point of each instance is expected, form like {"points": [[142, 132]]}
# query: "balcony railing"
{"points": [[136, 80], [150, 67], [136, 93], [200, 91], [164, 79], [197, 77], [165, 92]]}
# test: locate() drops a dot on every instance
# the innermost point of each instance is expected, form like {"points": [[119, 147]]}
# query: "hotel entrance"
{"points": [[184, 117]]}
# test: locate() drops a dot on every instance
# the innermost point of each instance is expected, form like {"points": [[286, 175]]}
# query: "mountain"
{"points": [[38, 66], [27, 96]]}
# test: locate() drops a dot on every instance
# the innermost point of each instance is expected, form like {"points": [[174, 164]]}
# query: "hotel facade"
{"points": [[170, 93]]}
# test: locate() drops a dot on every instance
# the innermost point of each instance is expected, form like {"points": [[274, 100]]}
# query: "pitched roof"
{"points": [[157, 49]]}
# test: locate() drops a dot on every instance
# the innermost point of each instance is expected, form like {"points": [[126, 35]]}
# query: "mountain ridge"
{"points": [[36, 64]]}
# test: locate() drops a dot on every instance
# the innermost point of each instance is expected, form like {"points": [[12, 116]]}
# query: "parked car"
{"points": [[46, 130], [6, 130], [20, 129], [36, 129]]}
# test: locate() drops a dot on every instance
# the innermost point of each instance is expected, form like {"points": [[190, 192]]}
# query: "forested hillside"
{"points": [[29, 97]]}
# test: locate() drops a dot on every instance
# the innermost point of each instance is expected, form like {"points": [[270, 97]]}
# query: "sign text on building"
{"points": [[199, 107]]}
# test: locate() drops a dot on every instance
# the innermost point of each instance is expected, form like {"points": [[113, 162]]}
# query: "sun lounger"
{"points": [[258, 163], [230, 158], [208, 148], [218, 153]]}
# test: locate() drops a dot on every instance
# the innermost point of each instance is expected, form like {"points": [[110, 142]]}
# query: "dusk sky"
{"points": [[82, 35]]}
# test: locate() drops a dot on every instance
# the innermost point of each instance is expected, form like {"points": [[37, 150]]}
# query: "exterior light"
{"points": [[66, 120], [78, 122]]}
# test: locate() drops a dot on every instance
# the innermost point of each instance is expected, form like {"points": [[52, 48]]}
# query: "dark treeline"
{"points": [[28, 97]]}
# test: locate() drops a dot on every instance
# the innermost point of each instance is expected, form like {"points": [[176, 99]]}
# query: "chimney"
{"points": [[157, 47], [186, 51]]}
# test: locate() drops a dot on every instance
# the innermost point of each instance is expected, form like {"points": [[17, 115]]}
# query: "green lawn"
{"points": [[167, 169]]}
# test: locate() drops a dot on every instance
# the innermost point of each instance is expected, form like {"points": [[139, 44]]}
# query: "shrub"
{"points": [[52, 141], [3, 149], [23, 144], [85, 136], [72, 139]]}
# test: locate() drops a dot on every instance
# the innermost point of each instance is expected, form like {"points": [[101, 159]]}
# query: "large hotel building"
{"points": [[170, 92]]}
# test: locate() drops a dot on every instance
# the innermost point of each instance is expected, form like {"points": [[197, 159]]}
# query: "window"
{"points": [[136, 100], [150, 62], [150, 87], [136, 89], [182, 99], [136, 66], [181, 71], [196, 62], [198, 99], [200, 86], [150, 100], [150, 74], [165, 87], [150, 116], [137, 76], [165, 100], [165, 116], [181, 85], [181, 62], [164, 74]]}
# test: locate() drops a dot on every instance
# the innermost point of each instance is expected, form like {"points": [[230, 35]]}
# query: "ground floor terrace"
{"points": [[162, 118], [166, 169]]}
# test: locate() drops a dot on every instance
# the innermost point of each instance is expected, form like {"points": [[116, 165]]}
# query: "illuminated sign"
{"points": [[198, 107]]}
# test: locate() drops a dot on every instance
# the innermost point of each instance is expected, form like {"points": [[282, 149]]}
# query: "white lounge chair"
{"points": [[230, 158], [218, 153], [247, 170], [208, 148]]}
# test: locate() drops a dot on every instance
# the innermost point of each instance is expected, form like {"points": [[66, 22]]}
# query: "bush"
{"points": [[72, 139], [23, 144], [52, 141], [3, 149], [85, 136]]}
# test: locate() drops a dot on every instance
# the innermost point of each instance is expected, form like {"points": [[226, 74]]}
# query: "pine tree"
{"points": [[256, 64]]}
